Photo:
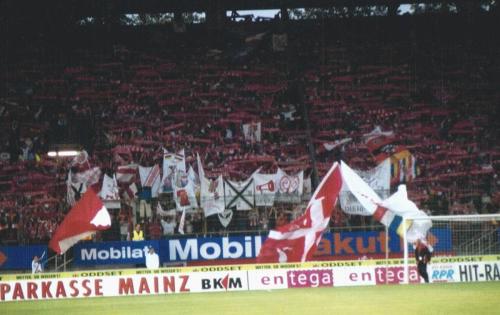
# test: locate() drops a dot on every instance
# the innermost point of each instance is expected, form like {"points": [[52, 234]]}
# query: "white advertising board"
{"points": [[24, 287]]}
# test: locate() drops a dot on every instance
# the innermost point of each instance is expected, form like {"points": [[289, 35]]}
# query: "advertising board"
{"points": [[127, 282]]}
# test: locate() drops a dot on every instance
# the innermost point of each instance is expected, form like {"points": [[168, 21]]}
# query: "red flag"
{"points": [[298, 240], [87, 216]]}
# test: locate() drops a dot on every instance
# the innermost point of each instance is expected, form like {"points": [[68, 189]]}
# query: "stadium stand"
{"points": [[123, 103]]}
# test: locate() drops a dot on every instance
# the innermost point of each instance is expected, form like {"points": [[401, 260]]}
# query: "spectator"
{"points": [[36, 265], [145, 202], [138, 234], [152, 259], [423, 257], [154, 230], [168, 225], [124, 229]]}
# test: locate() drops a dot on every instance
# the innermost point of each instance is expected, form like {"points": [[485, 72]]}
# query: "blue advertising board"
{"points": [[210, 248], [110, 253], [20, 257], [187, 249], [374, 242]]}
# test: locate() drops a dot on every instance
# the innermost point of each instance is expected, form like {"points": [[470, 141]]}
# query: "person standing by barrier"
{"points": [[423, 257], [138, 234], [152, 259], [36, 265]]}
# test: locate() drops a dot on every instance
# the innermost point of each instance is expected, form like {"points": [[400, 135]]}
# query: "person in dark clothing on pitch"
{"points": [[423, 257]]}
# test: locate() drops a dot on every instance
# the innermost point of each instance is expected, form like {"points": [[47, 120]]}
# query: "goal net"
{"points": [[460, 236]]}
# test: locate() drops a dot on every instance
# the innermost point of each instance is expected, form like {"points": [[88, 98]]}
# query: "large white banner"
{"points": [[212, 195], [239, 194], [211, 192], [378, 178], [146, 283], [109, 190], [172, 164], [290, 187], [265, 189], [184, 192]]}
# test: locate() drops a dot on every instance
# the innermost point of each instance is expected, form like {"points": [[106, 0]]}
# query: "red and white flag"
{"points": [[87, 216], [298, 240], [391, 211], [89, 177], [150, 177], [126, 174]]}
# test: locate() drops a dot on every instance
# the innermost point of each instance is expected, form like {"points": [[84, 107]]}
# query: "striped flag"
{"points": [[150, 177], [89, 177], [126, 174]]}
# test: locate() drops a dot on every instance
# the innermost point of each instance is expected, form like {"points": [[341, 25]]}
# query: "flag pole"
{"points": [[405, 251], [386, 251]]}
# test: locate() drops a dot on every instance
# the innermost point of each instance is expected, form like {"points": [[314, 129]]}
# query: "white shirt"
{"points": [[168, 227], [152, 260], [36, 267]]}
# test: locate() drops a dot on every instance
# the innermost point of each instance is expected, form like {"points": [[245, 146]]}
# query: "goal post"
{"points": [[455, 236]]}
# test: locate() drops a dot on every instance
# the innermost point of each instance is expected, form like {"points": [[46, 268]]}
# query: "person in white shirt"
{"points": [[152, 259], [36, 265], [168, 226]]}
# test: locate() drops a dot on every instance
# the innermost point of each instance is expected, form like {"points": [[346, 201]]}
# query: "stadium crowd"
{"points": [[438, 102]]}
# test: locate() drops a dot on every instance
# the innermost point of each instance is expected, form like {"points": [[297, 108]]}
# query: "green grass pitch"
{"points": [[459, 298]]}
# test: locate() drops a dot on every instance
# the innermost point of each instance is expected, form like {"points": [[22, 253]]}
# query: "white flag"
{"points": [[211, 192], [290, 187], [77, 183], [401, 205], [150, 177], [184, 192], [109, 190], [239, 194], [252, 132], [172, 163], [74, 189], [378, 178], [225, 217], [265, 189], [391, 211]]}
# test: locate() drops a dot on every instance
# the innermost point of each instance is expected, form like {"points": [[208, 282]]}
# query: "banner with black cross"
{"points": [[239, 194]]}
